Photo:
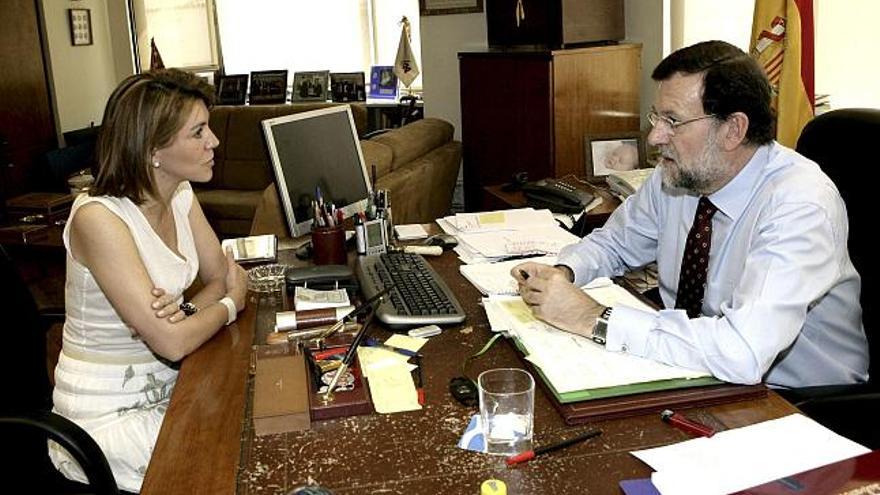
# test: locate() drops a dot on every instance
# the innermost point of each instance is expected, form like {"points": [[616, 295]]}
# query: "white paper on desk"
{"points": [[495, 278], [744, 457], [538, 240], [515, 219], [410, 231]]}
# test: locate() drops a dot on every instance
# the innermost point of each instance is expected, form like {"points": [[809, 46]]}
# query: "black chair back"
{"points": [[842, 143]]}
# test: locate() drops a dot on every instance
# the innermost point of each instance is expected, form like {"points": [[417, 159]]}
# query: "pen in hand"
{"points": [[531, 454], [685, 424], [524, 274]]}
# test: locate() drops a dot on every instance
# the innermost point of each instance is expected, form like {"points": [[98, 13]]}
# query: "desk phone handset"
{"points": [[556, 195]]}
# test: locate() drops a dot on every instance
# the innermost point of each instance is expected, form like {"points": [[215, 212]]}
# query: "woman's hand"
{"points": [[236, 281], [165, 306]]}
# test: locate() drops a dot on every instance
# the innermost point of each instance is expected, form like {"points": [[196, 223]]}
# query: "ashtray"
{"points": [[266, 278]]}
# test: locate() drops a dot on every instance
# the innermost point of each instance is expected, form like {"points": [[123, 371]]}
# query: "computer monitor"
{"points": [[317, 149]]}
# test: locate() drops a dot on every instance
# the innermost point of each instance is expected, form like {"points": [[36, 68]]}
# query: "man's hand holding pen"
{"points": [[554, 299]]}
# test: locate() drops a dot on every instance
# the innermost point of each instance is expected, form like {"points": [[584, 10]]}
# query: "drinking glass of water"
{"points": [[507, 410]]}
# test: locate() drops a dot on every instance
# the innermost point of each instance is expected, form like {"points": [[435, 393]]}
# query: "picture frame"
{"points": [[347, 86], [232, 89], [445, 7], [310, 86], [383, 82], [606, 153], [268, 86], [80, 27]]}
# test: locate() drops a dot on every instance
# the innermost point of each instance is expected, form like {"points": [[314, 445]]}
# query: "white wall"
{"points": [[443, 36], [82, 76], [644, 25], [847, 40]]}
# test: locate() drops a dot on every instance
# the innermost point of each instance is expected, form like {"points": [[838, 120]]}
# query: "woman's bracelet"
{"points": [[231, 311]]}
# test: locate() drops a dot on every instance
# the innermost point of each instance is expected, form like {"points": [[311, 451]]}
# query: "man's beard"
{"points": [[701, 175]]}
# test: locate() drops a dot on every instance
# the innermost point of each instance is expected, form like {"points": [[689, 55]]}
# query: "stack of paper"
{"points": [[744, 457], [497, 235]]}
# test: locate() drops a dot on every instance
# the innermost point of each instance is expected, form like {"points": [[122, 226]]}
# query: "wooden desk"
{"points": [[207, 444], [495, 198]]}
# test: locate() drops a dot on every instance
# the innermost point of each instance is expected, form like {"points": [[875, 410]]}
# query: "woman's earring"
{"points": [[156, 164]]}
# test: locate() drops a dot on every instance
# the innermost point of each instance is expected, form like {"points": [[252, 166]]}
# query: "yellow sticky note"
{"points": [[406, 342]]}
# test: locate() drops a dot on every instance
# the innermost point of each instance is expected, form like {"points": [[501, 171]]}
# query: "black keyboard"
{"points": [[420, 297]]}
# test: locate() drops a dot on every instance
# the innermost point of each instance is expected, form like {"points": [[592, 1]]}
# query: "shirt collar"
{"points": [[735, 195]]}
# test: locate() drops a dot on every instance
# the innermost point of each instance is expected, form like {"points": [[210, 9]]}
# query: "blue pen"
{"points": [[372, 342]]}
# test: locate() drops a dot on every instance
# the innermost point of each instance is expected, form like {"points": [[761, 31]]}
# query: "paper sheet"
{"points": [[410, 231], [744, 457], [495, 278], [390, 376]]}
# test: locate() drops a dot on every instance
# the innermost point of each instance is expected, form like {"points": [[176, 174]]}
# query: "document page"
{"points": [[744, 457]]}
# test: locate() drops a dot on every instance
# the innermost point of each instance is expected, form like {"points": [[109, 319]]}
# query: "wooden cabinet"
{"points": [[530, 111]]}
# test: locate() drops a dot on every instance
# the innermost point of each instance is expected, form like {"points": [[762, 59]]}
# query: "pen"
{"points": [[685, 424], [531, 454], [420, 389], [524, 274], [349, 356], [371, 342]]}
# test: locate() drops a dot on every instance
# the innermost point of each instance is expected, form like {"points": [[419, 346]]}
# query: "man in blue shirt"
{"points": [[767, 292]]}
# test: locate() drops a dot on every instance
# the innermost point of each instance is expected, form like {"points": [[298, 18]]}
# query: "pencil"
{"points": [[531, 454]]}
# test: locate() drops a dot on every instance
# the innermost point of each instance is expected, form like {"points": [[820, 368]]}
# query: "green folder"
{"points": [[605, 392]]}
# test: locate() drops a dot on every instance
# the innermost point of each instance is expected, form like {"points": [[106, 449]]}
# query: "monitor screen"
{"points": [[317, 149]]}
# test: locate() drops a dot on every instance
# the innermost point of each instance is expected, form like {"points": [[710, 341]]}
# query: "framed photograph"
{"points": [[606, 153], [383, 82], [347, 86], [80, 26], [310, 86], [443, 7], [232, 89], [268, 86]]}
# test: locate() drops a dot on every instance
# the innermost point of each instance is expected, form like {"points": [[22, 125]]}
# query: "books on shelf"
{"points": [[252, 248]]}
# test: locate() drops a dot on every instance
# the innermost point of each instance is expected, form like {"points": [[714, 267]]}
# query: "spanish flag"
{"points": [[782, 42]]}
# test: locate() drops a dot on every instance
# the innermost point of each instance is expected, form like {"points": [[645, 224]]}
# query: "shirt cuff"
{"points": [[628, 330]]}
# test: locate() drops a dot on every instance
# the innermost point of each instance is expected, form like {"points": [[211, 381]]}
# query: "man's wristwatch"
{"points": [[188, 308], [600, 331]]}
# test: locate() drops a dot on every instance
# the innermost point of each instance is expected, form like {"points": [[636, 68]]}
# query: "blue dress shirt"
{"points": [[782, 296]]}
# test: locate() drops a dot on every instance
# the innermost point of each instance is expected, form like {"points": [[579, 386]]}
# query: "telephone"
{"points": [[556, 195]]}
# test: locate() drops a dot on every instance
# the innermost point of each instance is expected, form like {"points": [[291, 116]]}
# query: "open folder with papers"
{"points": [[586, 381]]}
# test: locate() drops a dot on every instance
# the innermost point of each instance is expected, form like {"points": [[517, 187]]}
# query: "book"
{"points": [[252, 248]]}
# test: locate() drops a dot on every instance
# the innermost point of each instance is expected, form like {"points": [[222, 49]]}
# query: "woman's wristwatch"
{"points": [[188, 308], [600, 331]]}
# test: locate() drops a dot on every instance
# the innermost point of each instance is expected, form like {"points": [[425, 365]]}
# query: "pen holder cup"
{"points": [[328, 246]]}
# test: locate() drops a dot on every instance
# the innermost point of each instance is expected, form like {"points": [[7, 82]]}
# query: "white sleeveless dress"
{"points": [[107, 380]]}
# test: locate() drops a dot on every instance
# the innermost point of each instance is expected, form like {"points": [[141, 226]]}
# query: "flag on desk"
{"points": [[782, 42], [155, 57], [405, 65]]}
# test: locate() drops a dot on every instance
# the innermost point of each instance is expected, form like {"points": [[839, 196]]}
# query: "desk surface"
{"points": [[207, 443]]}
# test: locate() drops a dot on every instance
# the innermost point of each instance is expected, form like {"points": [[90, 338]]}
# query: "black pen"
{"points": [[349, 356], [531, 454], [524, 274]]}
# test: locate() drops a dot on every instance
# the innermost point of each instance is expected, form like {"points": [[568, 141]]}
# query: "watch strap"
{"points": [[600, 331]]}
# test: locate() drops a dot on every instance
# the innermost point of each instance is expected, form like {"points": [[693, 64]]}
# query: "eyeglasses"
{"points": [[655, 118]]}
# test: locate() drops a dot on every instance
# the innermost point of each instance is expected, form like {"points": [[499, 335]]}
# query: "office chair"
{"points": [[842, 143], [407, 111], [26, 419]]}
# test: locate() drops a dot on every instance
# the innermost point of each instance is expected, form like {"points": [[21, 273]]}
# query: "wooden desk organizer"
{"points": [[345, 403]]}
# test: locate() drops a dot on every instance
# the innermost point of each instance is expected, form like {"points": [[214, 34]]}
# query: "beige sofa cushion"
{"points": [[415, 139], [378, 154]]}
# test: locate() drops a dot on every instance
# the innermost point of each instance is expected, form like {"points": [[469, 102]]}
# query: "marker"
{"points": [[524, 274], [685, 424], [371, 342], [420, 387], [531, 454]]}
